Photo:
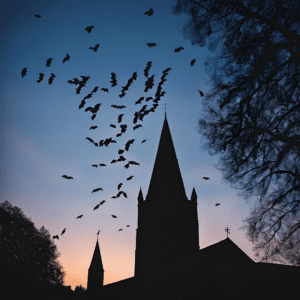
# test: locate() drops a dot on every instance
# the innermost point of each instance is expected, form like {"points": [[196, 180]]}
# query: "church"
{"points": [[169, 263]]}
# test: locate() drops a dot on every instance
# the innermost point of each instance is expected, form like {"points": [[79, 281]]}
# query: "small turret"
{"points": [[140, 196], [194, 196]]}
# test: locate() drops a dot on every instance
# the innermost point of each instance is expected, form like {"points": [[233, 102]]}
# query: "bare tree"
{"points": [[252, 114]]}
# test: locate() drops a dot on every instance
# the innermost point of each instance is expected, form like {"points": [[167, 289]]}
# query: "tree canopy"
{"points": [[251, 114]]}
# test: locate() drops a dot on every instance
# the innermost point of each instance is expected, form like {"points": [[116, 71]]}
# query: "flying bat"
{"points": [[119, 185], [193, 61], [166, 70], [120, 229], [88, 138], [96, 207], [55, 237], [114, 216], [93, 127], [149, 12], [89, 29], [96, 166], [105, 90], [206, 178], [51, 78], [66, 58], [120, 118], [127, 226], [96, 47], [113, 161], [201, 94], [121, 158], [131, 163], [113, 79], [118, 106], [63, 231], [93, 116], [41, 77], [24, 72], [38, 16], [95, 89], [82, 104], [120, 151], [112, 125], [48, 62], [151, 44], [128, 144], [102, 202], [98, 232], [102, 165], [140, 100], [79, 217], [178, 49], [130, 177], [217, 204], [137, 126], [143, 141], [96, 190], [67, 177]]}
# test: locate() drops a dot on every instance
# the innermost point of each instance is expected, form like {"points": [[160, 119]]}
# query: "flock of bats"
{"points": [[138, 115]]}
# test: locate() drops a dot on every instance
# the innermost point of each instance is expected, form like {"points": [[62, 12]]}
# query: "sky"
{"points": [[43, 131]]}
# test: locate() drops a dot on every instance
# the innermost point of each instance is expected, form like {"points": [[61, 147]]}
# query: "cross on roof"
{"points": [[227, 230]]}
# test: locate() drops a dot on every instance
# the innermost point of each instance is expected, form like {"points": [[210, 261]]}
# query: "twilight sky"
{"points": [[43, 130]]}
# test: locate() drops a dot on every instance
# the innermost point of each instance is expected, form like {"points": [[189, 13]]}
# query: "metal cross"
{"points": [[227, 230]]}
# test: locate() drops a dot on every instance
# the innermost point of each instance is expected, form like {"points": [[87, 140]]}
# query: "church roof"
{"points": [[96, 260], [166, 177]]}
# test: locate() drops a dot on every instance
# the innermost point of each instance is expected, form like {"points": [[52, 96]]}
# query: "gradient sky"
{"points": [[43, 131]]}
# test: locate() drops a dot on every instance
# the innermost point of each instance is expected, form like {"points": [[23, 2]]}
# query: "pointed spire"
{"points": [[96, 260], [194, 196], [140, 196], [166, 178]]}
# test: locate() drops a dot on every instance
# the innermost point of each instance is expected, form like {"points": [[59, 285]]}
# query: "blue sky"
{"points": [[43, 130]]}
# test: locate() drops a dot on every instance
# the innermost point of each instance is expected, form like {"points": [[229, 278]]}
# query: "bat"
{"points": [[105, 90], [206, 178], [127, 226], [38, 16], [120, 118], [119, 186], [140, 100], [51, 78], [98, 232], [24, 72], [121, 158], [201, 94], [41, 77], [113, 79], [217, 204], [63, 231], [131, 163], [48, 62], [123, 128], [149, 12], [113, 161], [120, 151], [137, 126], [89, 29], [93, 116], [193, 61], [79, 217], [102, 202], [88, 138], [114, 216], [143, 141], [128, 144], [166, 70], [125, 195], [102, 165], [120, 229], [82, 105], [151, 44], [130, 177], [118, 106], [95, 48], [96, 166], [55, 237], [66, 58], [95, 89], [67, 177], [96, 190], [112, 125], [178, 49], [93, 127], [96, 207]]}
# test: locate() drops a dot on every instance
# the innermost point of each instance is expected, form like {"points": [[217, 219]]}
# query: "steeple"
{"points": [[95, 272], [166, 178]]}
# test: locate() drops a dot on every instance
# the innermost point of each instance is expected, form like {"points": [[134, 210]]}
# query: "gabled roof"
{"points": [[166, 177]]}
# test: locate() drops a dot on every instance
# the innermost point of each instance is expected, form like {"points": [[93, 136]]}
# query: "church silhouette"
{"points": [[169, 263]]}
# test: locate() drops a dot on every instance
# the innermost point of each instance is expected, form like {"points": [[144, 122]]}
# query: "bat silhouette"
{"points": [[112, 125], [95, 48], [102, 165], [206, 178], [105, 90], [95, 89], [24, 72], [98, 232], [67, 177], [151, 44], [120, 118], [120, 229], [63, 231], [82, 104], [96, 190], [217, 204], [79, 217], [128, 144], [48, 62], [147, 68], [130, 177], [41, 77], [143, 141], [89, 29], [93, 116], [119, 186], [51, 78], [166, 70], [121, 192], [178, 49], [38, 16], [123, 128], [96, 166], [102, 202], [121, 158], [88, 138], [149, 12], [127, 226], [137, 126], [139, 101], [96, 207], [113, 79], [118, 106], [131, 163], [149, 98], [66, 58], [113, 161], [55, 237], [201, 94], [93, 127], [193, 61], [120, 151], [114, 216]]}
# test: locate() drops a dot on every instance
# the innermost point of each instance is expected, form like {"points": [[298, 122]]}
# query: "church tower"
{"points": [[167, 221], [95, 275]]}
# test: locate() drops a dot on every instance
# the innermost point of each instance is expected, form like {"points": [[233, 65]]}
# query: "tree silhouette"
{"points": [[28, 256], [251, 115]]}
